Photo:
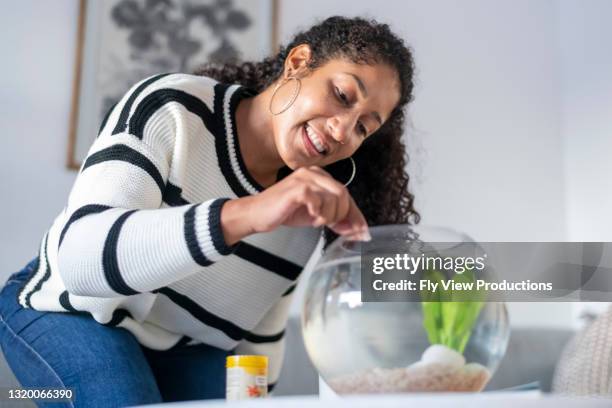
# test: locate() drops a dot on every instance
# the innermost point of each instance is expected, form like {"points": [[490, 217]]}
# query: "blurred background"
{"points": [[510, 130]]}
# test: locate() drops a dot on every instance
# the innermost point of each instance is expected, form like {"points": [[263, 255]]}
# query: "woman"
{"points": [[197, 208]]}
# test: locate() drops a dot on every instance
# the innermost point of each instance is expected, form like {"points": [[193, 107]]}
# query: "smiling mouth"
{"points": [[315, 140]]}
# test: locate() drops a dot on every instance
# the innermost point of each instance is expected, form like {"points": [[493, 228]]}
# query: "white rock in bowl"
{"points": [[437, 353]]}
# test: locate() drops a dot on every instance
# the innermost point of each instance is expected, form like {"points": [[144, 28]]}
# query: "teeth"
{"points": [[315, 140]]}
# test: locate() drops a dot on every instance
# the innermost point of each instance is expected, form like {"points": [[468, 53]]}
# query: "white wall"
{"points": [[586, 66], [37, 48], [586, 50]]}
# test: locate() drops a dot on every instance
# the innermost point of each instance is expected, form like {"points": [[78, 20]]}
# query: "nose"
{"points": [[340, 127]]}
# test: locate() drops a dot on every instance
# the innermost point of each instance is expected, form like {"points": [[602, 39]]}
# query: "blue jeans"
{"points": [[105, 366]]}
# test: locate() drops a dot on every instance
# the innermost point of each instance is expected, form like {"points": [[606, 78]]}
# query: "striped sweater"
{"points": [[139, 244]]}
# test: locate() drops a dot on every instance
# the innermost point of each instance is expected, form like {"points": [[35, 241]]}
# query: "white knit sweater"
{"points": [[139, 244]]}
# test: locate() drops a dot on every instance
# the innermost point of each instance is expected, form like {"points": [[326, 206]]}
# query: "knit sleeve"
{"points": [[117, 240], [268, 338]]}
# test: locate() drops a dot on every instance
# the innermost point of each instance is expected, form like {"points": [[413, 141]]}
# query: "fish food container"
{"points": [[362, 347], [247, 377]]}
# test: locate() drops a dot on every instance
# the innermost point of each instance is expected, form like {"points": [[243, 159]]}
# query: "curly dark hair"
{"points": [[380, 187]]}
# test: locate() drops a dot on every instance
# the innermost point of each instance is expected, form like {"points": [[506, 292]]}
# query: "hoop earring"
{"points": [[352, 173], [293, 97]]}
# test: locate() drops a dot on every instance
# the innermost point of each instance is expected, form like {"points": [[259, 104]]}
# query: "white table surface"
{"points": [[482, 400]]}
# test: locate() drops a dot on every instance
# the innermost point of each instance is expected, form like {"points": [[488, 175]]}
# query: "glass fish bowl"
{"points": [[414, 345]]}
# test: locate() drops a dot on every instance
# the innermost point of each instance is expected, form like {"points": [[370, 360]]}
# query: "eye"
{"points": [[342, 96], [363, 131]]}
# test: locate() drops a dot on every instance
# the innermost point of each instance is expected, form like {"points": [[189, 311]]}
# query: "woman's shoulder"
{"points": [[200, 86], [188, 89], [180, 87], [181, 81]]}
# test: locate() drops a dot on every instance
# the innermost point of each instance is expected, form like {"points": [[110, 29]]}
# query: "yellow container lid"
{"points": [[246, 361]]}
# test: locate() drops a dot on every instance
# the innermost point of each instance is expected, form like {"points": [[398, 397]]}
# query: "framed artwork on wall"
{"points": [[121, 42]]}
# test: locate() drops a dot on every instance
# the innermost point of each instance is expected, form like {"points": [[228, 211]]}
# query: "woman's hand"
{"points": [[307, 197]]}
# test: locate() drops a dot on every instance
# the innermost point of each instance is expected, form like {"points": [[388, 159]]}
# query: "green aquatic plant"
{"points": [[449, 313]]}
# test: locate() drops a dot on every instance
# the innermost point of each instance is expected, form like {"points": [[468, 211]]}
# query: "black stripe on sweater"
{"points": [[122, 122], [126, 154], [118, 316], [290, 290], [182, 342], [191, 238], [259, 338], [221, 146], [109, 258], [64, 300], [80, 213], [230, 329], [45, 277], [172, 196], [237, 96], [216, 232], [155, 100], [269, 261]]}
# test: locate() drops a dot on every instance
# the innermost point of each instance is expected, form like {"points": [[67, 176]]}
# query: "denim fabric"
{"points": [[105, 366]]}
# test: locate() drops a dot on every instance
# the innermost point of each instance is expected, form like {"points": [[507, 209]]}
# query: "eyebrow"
{"points": [[364, 92]]}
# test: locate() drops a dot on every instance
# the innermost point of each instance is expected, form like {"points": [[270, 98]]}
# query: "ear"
{"points": [[297, 60]]}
